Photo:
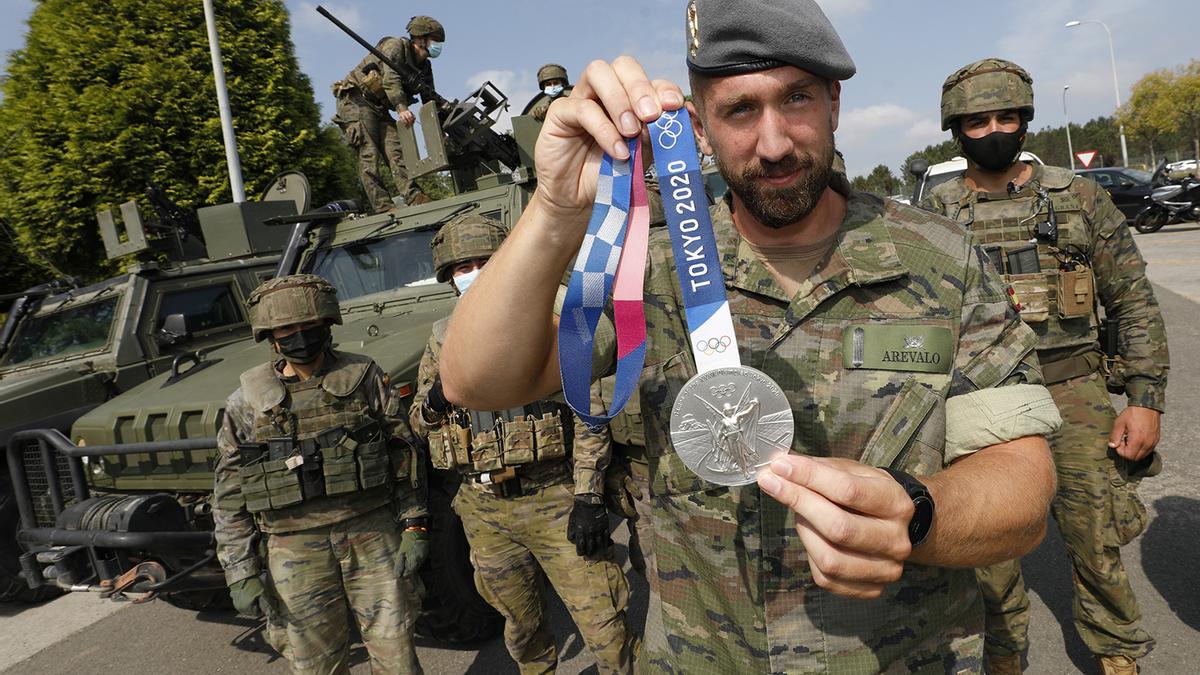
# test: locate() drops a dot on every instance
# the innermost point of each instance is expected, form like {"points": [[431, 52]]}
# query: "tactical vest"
{"points": [[317, 448], [473, 442], [1058, 301], [368, 74]]}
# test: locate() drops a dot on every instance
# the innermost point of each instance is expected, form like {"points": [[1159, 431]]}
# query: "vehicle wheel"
{"points": [[1150, 221], [12, 586], [452, 611]]}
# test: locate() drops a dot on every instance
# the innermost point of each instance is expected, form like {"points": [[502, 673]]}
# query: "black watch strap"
{"points": [[922, 519]]}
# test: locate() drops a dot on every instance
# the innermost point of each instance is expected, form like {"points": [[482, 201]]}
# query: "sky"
{"points": [[903, 51]]}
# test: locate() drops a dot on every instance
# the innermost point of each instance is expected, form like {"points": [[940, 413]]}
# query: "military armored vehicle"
{"points": [[65, 349], [121, 505]]}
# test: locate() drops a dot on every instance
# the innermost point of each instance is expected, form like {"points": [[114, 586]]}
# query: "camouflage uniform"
{"points": [[736, 592], [365, 99], [1097, 508], [327, 536], [629, 460], [513, 536], [518, 525]]}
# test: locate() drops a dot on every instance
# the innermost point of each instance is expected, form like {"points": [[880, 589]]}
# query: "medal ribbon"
{"points": [[697, 262], [612, 259]]}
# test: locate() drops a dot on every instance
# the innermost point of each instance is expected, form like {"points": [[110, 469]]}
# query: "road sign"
{"points": [[1086, 157]]}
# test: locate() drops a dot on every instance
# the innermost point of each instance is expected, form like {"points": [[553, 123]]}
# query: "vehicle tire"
{"points": [[12, 585], [452, 611], [1150, 221]]}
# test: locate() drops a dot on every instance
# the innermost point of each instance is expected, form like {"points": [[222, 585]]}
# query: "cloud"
{"points": [[520, 87], [871, 133]]}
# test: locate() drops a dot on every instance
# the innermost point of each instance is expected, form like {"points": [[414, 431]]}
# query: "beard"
{"points": [[777, 208]]}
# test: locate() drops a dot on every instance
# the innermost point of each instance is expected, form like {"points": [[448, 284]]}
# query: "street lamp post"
{"points": [[1116, 88], [1070, 150]]}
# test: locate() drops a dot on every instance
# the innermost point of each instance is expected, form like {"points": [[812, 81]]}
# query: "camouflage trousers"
{"points": [[315, 572], [514, 541], [1097, 510], [371, 132], [641, 530]]}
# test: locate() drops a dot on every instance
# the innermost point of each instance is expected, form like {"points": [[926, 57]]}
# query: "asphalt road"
{"points": [[81, 633]]}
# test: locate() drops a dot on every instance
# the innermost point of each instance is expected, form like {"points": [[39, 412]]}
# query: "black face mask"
{"points": [[995, 152], [306, 345]]}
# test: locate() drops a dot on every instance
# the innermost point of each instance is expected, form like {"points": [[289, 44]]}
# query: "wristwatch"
{"points": [[922, 519]]}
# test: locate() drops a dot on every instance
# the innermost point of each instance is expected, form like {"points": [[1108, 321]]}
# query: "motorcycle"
{"points": [[1169, 202]]}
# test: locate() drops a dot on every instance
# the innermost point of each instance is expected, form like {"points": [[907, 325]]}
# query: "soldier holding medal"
{"points": [[843, 411]]}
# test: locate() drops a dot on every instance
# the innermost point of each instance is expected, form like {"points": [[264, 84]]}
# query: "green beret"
{"points": [[730, 37]]}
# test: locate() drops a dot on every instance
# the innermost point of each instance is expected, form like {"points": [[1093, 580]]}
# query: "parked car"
{"points": [[1127, 187]]}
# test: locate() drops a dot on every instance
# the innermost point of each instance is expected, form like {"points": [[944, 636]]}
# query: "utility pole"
{"points": [[1070, 150], [231, 153]]}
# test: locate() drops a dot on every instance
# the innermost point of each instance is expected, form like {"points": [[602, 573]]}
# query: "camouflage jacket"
{"points": [[590, 455], [382, 85], [1090, 224], [238, 531], [540, 103], [736, 590]]}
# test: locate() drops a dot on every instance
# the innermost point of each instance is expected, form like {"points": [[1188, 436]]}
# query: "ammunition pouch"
{"points": [[1081, 365], [475, 443], [283, 472]]}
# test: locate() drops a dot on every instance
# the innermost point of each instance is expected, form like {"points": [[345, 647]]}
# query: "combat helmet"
{"points": [[283, 301], [426, 25], [464, 238], [551, 71], [989, 84]]}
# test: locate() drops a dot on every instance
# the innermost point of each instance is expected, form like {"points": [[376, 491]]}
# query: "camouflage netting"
{"points": [[986, 85], [289, 300]]}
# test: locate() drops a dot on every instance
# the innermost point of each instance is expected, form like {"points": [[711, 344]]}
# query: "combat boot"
{"points": [[1118, 664], [1007, 664]]}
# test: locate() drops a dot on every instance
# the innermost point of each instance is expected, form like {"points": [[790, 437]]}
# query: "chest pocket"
{"points": [[660, 386], [911, 434]]}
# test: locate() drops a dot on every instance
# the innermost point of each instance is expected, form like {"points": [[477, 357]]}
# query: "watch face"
{"points": [[922, 520]]}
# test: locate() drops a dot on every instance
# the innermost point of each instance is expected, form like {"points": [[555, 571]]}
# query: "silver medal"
{"points": [[729, 422]]}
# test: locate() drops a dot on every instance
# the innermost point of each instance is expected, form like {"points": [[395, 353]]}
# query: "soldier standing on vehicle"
{"points": [[1066, 250], [532, 493], [552, 80], [365, 99], [319, 493], [882, 348]]}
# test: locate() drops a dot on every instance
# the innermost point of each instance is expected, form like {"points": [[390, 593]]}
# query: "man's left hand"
{"points": [[852, 519], [414, 549], [1136, 432]]}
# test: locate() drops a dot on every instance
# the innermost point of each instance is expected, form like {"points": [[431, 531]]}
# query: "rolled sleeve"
{"points": [[998, 415]]}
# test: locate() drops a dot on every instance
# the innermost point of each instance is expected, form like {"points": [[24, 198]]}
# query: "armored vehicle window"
{"points": [[365, 267], [72, 330], [204, 308]]}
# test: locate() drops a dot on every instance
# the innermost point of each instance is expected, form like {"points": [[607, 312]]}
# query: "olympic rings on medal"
{"points": [[714, 345], [668, 128]]}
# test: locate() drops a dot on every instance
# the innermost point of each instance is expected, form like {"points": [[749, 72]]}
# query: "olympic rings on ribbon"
{"points": [[714, 345], [668, 128]]}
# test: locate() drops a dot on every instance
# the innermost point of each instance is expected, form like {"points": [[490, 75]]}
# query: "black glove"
{"points": [[436, 400], [587, 527]]}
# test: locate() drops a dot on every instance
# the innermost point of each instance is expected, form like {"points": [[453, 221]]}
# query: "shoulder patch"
{"points": [[261, 387]]}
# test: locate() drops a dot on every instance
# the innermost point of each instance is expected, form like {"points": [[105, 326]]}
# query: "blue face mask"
{"points": [[554, 90], [435, 49], [464, 280]]}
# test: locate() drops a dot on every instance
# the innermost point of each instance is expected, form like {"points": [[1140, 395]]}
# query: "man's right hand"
{"points": [[610, 103], [405, 118], [246, 595]]}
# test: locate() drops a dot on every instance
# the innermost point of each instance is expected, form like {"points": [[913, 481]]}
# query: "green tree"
{"points": [[106, 97], [880, 181]]}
